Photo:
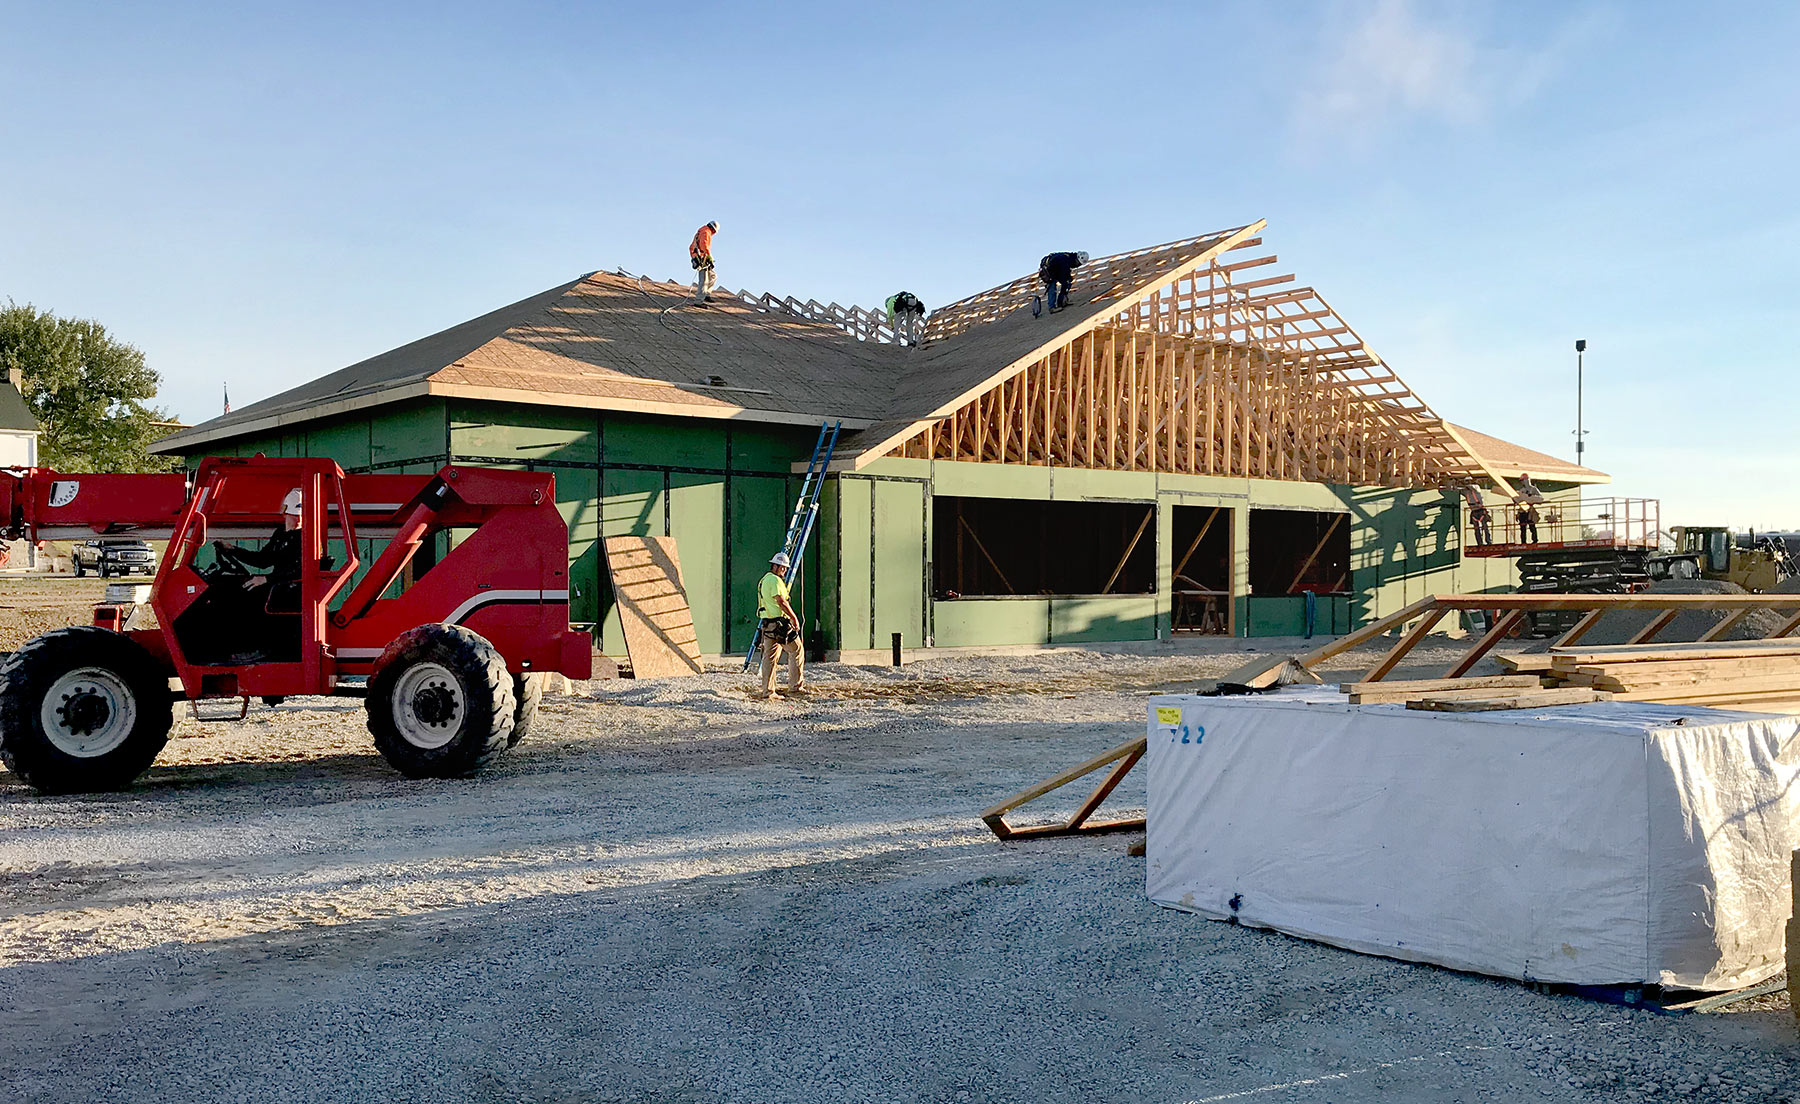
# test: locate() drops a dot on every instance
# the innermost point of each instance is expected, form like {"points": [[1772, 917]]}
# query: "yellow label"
{"points": [[1168, 714]]}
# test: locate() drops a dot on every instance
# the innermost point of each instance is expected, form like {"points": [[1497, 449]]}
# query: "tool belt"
{"points": [[701, 262], [777, 630]]}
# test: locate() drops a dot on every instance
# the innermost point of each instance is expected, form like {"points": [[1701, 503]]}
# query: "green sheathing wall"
{"points": [[397, 438], [880, 525], [1404, 544], [722, 490]]}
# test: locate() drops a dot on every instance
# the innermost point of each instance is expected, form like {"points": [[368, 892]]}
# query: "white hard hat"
{"points": [[714, 224], [1083, 257], [779, 559], [290, 502]]}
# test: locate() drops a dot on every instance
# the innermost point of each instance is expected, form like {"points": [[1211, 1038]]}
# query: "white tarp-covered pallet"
{"points": [[1605, 844]]}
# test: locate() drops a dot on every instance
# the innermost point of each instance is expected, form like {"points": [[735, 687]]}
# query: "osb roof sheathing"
{"points": [[620, 342]]}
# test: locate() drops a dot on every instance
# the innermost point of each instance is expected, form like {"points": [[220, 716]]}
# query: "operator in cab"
{"points": [[280, 554]]}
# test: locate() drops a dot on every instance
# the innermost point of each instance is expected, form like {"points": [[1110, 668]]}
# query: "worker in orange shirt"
{"points": [[700, 252]]}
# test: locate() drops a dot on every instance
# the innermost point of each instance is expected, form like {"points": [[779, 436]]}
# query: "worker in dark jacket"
{"points": [[905, 314], [1057, 271], [281, 552]]}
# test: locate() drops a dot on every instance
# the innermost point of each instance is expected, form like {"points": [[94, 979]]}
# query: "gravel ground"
{"points": [[671, 893]]}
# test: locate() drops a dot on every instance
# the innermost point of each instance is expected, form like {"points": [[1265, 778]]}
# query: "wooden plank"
{"points": [[1693, 687], [1657, 624], [1131, 752], [1535, 700], [1192, 548], [1129, 549], [1502, 628], [1577, 630], [653, 606], [1336, 520], [1427, 621], [1533, 663], [1384, 697], [1363, 635], [1650, 653], [1651, 670], [1717, 632], [1478, 682]]}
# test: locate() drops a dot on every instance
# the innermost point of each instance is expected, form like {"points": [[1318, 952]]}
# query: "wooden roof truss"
{"points": [[859, 322], [1222, 371]]}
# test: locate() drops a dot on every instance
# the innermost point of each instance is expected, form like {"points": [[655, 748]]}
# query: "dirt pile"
{"points": [[1621, 626]]}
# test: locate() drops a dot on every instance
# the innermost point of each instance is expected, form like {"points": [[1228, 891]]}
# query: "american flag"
{"points": [[227, 398]]}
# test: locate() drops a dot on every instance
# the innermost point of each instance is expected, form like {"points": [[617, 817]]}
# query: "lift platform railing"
{"points": [[1596, 523]]}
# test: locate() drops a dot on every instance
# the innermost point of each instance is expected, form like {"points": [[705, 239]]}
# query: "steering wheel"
{"points": [[228, 561]]}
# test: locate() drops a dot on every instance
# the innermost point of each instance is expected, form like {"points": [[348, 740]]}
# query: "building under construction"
{"points": [[1195, 445]]}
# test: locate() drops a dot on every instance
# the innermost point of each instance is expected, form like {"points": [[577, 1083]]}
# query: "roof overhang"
{"points": [[194, 440]]}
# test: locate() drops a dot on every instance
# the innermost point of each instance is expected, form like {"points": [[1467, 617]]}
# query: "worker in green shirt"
{"points": [[780, 629]]}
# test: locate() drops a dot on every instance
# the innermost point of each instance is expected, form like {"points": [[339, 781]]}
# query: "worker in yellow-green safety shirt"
{"points": [[780, 629]]}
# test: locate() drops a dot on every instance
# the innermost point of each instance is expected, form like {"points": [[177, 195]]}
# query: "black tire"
{"points": [[124, 711], [440, 702], [105, 573], [79, 570], [528, 691]]}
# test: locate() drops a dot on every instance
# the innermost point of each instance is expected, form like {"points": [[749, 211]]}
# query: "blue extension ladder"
{"points": [[806, 515]]}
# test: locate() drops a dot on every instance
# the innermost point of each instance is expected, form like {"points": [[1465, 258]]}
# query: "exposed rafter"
{"points": [[1203, 373]]}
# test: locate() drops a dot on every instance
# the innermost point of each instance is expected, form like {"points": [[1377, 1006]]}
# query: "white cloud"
{"points": [[1393, 64]]}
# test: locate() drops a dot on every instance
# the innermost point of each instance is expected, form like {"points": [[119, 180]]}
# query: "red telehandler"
{"points": [[450, 649]]}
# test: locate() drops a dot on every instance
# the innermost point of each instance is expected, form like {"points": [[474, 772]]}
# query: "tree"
{"points": [[90, 392]]}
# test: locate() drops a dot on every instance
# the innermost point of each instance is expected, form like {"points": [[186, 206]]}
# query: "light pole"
{"points": [[1580, 445]]}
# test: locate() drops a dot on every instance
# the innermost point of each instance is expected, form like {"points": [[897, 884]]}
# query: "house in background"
{"points": [[18, 449], [1190, 447]]}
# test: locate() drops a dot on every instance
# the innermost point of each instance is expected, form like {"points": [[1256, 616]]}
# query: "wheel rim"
{"points": [[429, 706], [88, 712]]}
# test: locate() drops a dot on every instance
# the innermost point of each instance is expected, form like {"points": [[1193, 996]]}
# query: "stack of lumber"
{"points": [[1470, 695], [1736, 674]]}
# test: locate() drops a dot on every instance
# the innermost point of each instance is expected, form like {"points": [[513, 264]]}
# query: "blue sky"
{"points": [[258, 195]]}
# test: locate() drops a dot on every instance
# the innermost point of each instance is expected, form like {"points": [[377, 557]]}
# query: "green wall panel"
{"points": [[988, 622], [407, 432], [992, 480], [899, 543], [577, 500], [345, 442], [759, 513], [1286, 615], [528, 433], [856, 504], [1076, 484], [1093, 620], [633, 504], [770, 448], [665, 443]]}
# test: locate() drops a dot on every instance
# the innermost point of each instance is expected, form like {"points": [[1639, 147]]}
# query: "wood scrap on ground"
{"points": [[653, 606]]}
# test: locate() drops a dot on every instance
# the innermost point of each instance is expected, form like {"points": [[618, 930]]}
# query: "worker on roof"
{"points": [[700, 253], [905, 315], [1481, 519], [1526, 499], [1057, 271], [779, 629]]}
